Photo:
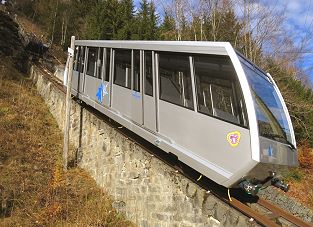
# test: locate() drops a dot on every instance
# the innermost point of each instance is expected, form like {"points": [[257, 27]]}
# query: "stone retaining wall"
{"points": [[147, 191]]}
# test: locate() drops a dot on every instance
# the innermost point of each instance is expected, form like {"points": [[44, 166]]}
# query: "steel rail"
{"points": [[261, 219], [249, 212], [278, 212]]}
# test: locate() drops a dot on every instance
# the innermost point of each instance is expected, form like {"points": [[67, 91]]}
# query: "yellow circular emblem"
{"points": [[233, 138]]}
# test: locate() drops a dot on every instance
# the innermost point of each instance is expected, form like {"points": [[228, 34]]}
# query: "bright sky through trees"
{"points": [[297, 24]]}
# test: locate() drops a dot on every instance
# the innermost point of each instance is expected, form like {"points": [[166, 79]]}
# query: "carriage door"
{"points": [[149, 108], [105, 87], [136, 88], [93, 79], [126, 88], [78, 71]]}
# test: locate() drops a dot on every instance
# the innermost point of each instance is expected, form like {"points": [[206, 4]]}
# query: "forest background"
{"points": [[257, 33]]}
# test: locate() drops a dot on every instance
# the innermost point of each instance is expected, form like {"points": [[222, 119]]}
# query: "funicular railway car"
{"points": [[201, 101]]}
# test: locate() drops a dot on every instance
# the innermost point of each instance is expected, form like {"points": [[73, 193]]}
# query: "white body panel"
{"points": [[77, 81], [128, 103], [254, 131], [203, 135], [149, 113], [91, 87], [198, 140]]}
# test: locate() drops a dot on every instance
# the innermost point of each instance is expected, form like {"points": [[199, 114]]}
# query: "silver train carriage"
{"points": [[201, 101]]}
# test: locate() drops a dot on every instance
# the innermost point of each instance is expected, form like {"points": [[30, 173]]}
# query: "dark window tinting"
{"points": [[75, 63], [122, 67], [99, 63], [271, 117], [148, 73], [81, 59], [136, 77], [175, 79], [215, 86], [92, 58], [107, 64]]}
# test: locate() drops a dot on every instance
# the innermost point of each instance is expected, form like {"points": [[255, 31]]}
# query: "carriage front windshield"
{"points": [[272, 120]]}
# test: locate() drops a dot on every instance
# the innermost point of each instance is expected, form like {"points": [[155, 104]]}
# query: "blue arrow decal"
{"points": [[136, 95], [270, 151], [100, 93]]}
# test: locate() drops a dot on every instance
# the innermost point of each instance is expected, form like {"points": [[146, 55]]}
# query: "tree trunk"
{"points": [[54, 21]]}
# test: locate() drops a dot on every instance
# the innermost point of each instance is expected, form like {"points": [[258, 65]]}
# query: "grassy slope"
{"points": [[300, 179], [33, 188]]}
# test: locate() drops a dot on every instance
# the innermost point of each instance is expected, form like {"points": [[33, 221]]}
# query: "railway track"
{"points": [[257, 209], [272, 215]]}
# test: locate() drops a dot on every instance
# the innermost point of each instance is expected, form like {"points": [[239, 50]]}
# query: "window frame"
{"points": [[239, 107], [76, 54], [192, 107], [99, 68], [114, 66], [145, 75], [133, 70], [106, 66], [95, 62], [81, 59]]}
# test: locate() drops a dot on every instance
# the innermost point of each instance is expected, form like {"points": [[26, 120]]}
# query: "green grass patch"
{"points": [[294, 174], [4, 111]]}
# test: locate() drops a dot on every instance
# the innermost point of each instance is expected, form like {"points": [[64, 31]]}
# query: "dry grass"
{"points": [[33, 189], [300, 178], [33, 28]]}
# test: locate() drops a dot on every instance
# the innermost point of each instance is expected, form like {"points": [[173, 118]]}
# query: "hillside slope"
{"points": [[297, 97], [34, 191]]}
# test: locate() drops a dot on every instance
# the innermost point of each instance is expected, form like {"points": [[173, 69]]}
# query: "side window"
{"points": [[76, 55], [222, 98], [136, 72], [148, 73], [175, 79], [122, 67], [99, 63], [107, 58], [92, 58], [215, 79], [81, 59]]}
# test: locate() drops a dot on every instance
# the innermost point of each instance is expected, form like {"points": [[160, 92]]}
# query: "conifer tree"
{"points": [[143, 21], [147, 21], [167, 28], [126, 22], [95, 21], [153, 23], [103, 20]]}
